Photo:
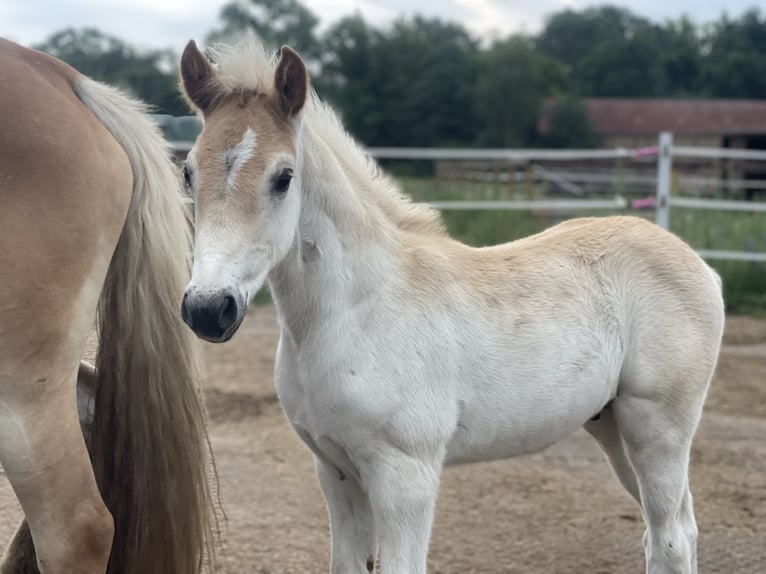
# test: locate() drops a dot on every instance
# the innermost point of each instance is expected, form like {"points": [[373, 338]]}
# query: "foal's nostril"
{"points": [[212, 316], [229, 312], [185, 312]]}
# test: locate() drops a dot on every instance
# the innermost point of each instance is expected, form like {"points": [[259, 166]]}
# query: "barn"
{"points": [[720, 123]]}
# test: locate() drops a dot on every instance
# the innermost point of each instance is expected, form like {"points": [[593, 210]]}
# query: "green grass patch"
{"points": [[744, 282]]}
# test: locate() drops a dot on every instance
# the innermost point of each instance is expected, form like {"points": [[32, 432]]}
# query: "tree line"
{"points": [[428, 82]]}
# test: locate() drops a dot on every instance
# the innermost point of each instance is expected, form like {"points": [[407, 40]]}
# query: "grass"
{"points": [[744, 282]]}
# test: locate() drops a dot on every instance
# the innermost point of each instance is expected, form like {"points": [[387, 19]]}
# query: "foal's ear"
{"points": [[291, 81], [200, 83]]}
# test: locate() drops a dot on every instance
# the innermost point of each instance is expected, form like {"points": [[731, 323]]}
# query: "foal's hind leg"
{"points": [[657, 434], [20, 557], [607, 434]]}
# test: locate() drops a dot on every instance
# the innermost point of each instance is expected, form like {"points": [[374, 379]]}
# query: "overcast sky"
{"points": [[170, 23]]}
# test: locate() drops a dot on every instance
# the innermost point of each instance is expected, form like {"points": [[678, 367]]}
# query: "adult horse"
{"points": [[92, 226], [402, 349]]}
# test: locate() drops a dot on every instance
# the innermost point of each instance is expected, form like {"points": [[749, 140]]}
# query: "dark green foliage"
{"points": [[512, 80], [571, 37], [410, 85], [608, 51], [682, 63], [735, 61], [275, 22], [148, 75], [570, 127], [611, 52], [427, 82]]}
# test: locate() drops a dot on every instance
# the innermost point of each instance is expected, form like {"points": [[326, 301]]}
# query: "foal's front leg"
{"points": [[353, 531], [402, 491]]}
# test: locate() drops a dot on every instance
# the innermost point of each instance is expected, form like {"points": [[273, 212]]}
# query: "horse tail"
{"points": [[148, 439]]}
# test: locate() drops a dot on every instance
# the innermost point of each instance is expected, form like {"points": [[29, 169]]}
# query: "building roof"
{"points": [[633, 117]]}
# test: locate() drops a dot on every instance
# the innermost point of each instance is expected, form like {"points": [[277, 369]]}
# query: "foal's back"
{"points": [[628, 260]]}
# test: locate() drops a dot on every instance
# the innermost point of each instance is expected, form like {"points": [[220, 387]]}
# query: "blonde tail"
{"points": [[148, 440]]}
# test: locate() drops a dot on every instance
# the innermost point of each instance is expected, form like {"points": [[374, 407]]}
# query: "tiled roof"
{"points": [[629, 117]]}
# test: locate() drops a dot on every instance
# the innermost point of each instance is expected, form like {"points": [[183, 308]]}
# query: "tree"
{"points": [[106, 58], [570, 126], [275, 22], [607, 51], [630, 68], [735, 64], [409, 85], [512, 80], [680, 44], [569, 36], [350, 77]]}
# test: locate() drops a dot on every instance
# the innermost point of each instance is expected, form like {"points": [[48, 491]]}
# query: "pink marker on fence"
{"points": [[644, 203], [645, 151]]}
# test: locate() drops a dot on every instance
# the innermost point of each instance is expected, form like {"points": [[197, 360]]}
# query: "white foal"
{"points": [[403, 350]]}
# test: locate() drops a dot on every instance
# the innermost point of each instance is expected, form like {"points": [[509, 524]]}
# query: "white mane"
{"points": [[251, 67]]}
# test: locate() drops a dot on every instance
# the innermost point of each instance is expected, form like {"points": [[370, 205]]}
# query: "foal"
{"points": [[403, 350]]}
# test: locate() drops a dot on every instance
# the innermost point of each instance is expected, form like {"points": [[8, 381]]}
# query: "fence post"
{"points": [[664, 168]]}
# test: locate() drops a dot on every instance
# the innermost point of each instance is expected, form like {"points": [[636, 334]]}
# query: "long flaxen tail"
{"points": [[148, 440]]}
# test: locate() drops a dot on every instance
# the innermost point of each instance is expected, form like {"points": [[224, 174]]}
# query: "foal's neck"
{"points": [[344, 249]]}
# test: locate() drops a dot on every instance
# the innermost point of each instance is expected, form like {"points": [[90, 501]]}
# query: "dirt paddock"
{"points": [[560, 511]]}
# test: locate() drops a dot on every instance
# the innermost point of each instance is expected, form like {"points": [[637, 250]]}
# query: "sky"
{"points": [[171, 23]]}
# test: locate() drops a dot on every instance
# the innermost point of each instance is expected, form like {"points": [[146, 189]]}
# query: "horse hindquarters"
{"points": [[54, 290], [670, 361]]}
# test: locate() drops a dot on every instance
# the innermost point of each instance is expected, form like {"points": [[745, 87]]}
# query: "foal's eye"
{"points": [[187, 176], [282, 183]]}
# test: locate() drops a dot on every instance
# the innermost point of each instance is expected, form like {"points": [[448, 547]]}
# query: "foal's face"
{"points": [[243, 176]]}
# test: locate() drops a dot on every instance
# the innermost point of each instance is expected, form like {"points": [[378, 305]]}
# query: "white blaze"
{"points": [[238, 155]]}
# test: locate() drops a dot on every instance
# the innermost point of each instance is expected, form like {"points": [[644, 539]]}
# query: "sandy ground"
{"points": [[560, 511]]}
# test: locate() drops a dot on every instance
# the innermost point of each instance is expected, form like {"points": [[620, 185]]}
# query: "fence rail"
{"points": [[511, 155], [719, 153], [718, 204], [534, 204], [662, 201]]}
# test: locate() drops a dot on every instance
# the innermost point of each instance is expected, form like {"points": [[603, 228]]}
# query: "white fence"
{"points": [[663, 153]]}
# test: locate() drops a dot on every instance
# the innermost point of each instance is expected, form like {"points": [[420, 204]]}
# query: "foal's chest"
{"points": [[317, 406]]}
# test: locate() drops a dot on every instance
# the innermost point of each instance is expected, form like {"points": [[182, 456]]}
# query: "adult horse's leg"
{"points": [[607, 434], [402, 491], [44, 456], [354, 546], [20, 556]]}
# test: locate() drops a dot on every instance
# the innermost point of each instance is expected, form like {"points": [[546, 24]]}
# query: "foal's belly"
{"points": [[526, 414], [479, 437]]}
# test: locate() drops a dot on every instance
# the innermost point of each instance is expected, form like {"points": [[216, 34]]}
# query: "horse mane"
{"points": [[250, 68]]}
